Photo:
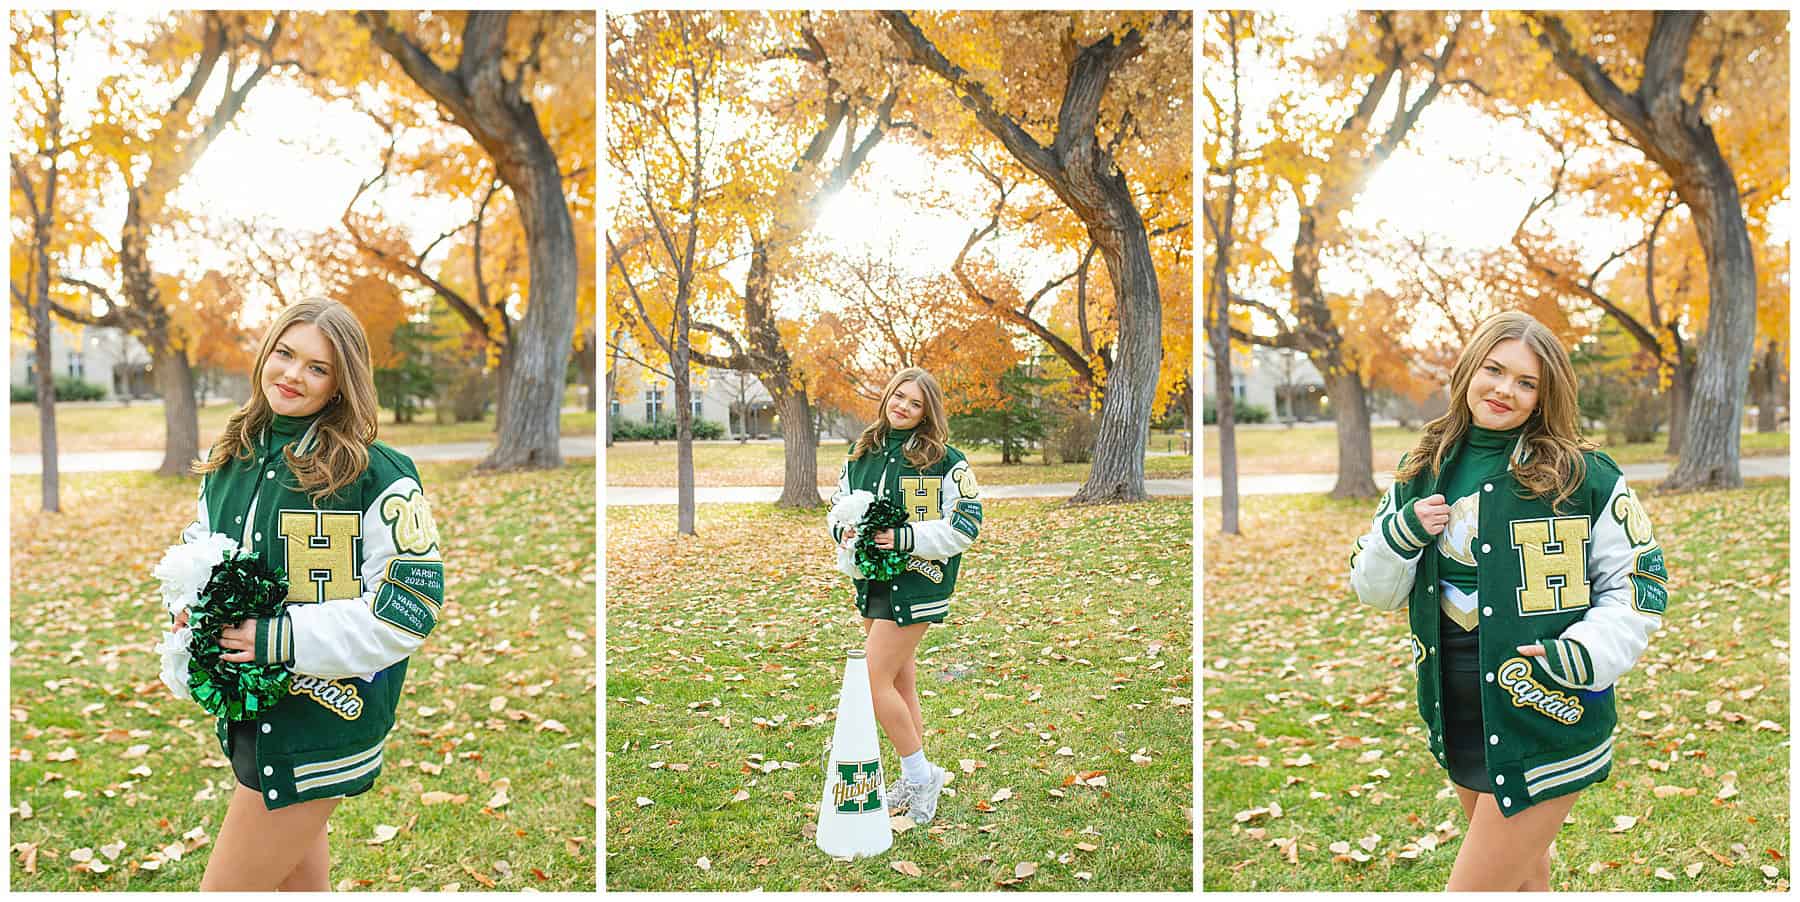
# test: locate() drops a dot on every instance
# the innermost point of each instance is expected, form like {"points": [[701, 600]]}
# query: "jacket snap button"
{"points": [[1432, 650], [269, 475], [1488, 487], [1487, 612], [267, 728], [1506, 802], [1431, 590], [271, 793], [1493, 739], [240, 519], [1490, 677], [1485, 548], [259, 537], [268, 771], [1499, 779]]}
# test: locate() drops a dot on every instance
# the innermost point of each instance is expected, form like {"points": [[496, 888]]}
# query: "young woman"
{"points": [[1532, 583], [298, 476], [903, 457]]}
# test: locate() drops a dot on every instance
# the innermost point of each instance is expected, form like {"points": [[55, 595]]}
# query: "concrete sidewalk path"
{"points": [[1320, 483], [618, 495], [125, 461]]}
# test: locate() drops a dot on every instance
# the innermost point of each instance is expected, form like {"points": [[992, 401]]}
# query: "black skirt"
{"points": [[1465, 739], [242, 736]]}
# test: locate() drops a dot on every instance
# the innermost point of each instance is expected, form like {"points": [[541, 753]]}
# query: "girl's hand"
{"points": [[885, 540], [240, 638], [1433, 513], [181, 619], [1532, 651], [849, 537]]}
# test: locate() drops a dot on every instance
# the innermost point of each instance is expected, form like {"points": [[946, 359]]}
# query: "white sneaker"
{"points": [[899, 793], [922, 806]]}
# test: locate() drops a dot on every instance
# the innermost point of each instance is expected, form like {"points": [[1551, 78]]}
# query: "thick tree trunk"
{"points": [[1225, 405], [1356, 464], [1768, 401], [800, 447], [181, 421], [589, 361], [46, 393], [490, 107], [1123, 431], [684, 436], [1681, 394]]}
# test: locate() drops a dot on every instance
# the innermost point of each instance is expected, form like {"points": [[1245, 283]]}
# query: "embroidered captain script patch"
{"points": [[1515, 678], [337, 697], [931, 570], [409, 594]]}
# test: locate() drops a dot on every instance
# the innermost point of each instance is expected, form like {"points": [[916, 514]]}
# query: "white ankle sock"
{"points": [[914, 768]]}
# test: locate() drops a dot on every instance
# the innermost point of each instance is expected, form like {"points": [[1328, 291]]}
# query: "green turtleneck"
{"points": [[1483, 455]]}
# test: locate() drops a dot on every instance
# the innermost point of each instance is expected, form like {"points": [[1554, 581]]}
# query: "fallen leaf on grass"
{"points": [[383, 833], [1622, 823], [1024, 869], [703, 863], [438, 797], [901, 823], [1001, 796], [907, 868]]}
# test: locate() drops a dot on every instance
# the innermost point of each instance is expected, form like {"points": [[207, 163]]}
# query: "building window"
{"points": [[614, 408], [30, 367], [653, 402], [696, 407], [1238, 389], [75, 367]]}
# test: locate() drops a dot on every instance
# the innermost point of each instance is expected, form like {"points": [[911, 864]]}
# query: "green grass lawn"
{"points": [[1067, 650], [1311, 737], [724, 464], [1314, 450], [106, 426], [107, 765]]}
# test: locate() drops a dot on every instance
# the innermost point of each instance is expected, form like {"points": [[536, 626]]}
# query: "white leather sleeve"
{"points": [[202, 525], [1628, 593], [402, 576], [843, 488], [957, 528], [1385, 559]]}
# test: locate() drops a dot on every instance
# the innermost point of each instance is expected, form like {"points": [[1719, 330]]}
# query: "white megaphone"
{"points": [[853, 818]]}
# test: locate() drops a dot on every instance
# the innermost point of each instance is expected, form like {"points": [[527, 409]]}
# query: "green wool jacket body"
{"points": [[943, 506], [1586, 581], [365, 587]]}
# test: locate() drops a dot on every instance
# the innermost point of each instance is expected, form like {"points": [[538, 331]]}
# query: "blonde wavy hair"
{"points": [[1551, 439], [335, 449], [930, 437]]}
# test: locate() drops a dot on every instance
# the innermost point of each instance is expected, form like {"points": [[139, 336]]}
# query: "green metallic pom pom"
{"points": [[879, 563], [241, 588]]}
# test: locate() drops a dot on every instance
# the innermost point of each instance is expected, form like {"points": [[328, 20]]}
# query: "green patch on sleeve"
{"points": [[411, 595]]}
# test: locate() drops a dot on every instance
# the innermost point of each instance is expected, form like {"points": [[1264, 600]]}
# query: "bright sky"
{"points": [[289, 158], [1446, 182]]}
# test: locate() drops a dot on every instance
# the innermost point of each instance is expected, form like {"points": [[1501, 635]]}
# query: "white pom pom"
{"points": [[174, 651], [849, 510], [185, 568]]}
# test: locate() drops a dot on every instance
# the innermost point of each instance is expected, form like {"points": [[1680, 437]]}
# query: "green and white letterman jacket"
{"points": [[1587, 582], [365, 587], [943, 506]]}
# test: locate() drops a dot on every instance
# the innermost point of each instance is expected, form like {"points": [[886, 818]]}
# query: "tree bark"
{"points": [[1219, 304], [589, 361], [1350, 407], [1768, 402], [1681, 394], [1674, 134], [1087, 179], [484, 102], [800, 446], [181, 420], [46, 380]]}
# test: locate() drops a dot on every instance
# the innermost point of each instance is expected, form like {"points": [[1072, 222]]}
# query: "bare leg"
{"points": [[1539, 881], [313, 873], [890, 647], [906, 683], [1505, 853], [256, 848]]}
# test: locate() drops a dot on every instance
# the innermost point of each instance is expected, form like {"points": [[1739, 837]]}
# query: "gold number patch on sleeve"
{"points": [[1552, 564], [409, 516], [321, 554], [923, 497]]}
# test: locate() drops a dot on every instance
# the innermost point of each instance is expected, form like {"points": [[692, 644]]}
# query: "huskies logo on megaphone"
{"points": [[856, 788]]}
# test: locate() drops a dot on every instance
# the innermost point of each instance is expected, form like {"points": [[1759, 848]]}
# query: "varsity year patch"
{"points": [[407, 600], [1649, 582]]}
